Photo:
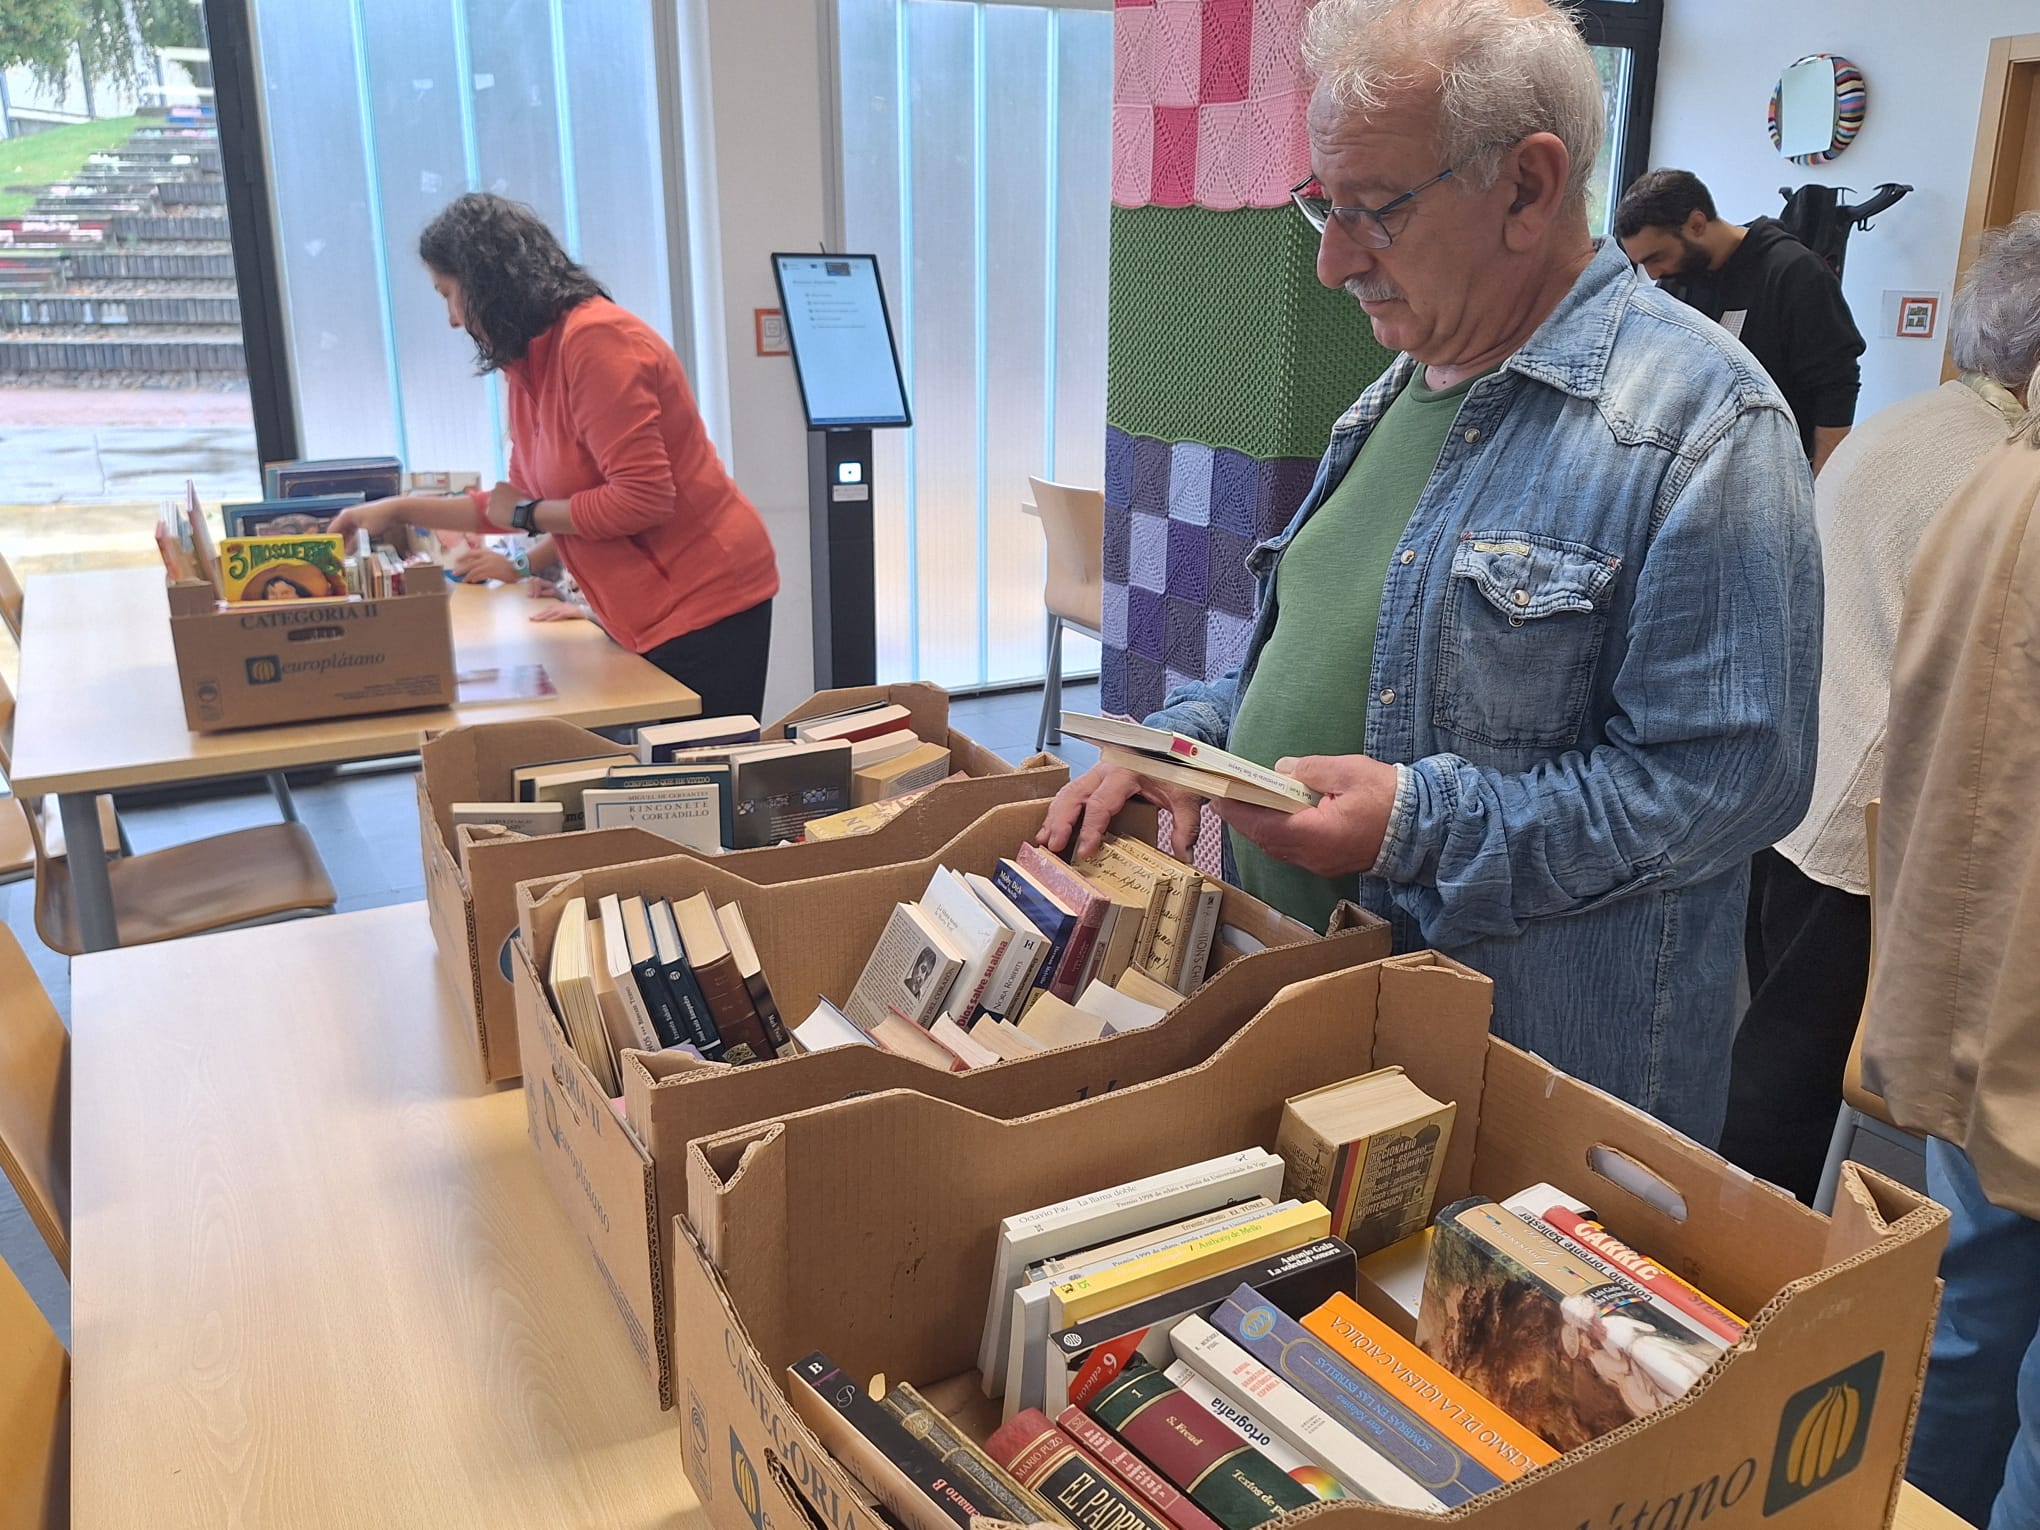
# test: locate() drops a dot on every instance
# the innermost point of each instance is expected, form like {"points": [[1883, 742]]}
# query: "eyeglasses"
{"points": [[1365, 226]]}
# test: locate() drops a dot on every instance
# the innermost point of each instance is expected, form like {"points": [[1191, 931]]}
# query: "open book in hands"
{"points": [[1175, 760]]}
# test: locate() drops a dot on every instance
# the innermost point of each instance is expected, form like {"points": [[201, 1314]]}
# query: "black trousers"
{"points": [[1808, 949], [724, 664]]}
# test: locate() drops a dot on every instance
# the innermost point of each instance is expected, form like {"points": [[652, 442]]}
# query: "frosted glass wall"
{"points": [[380, 112], [976, 163]]}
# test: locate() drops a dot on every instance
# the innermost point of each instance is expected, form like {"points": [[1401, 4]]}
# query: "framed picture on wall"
{"points": [[1917, 317]]}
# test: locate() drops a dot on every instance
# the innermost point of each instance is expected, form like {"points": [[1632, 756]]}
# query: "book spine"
{"points": [[1175, 1505], [1203, 931], [1011, 1499], [1087, 1295], [768, 1013], [1367, 1344], [1066, 884], [691, 1007], [1041, 1457], [729, 1006], [1591, 1241], [1053, 923], [656, 994], [958, 1502], [1230, 1480], [1364, 1435]]}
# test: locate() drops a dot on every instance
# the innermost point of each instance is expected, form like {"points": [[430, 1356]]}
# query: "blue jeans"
{"points": [[1977, 1446]]}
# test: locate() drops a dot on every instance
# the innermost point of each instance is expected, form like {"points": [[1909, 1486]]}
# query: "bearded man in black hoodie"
{"points": [[1761, 285]]}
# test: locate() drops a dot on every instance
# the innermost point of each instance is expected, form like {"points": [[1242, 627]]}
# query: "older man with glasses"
{"points": [[1545, 633]]}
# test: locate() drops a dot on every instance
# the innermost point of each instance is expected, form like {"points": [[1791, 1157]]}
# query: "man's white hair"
{"points": [[1497, 70]]}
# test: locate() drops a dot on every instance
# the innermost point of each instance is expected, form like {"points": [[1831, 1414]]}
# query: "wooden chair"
{"points": [[247, 876], [1863, 1109], [35, 1405], [11, 599], [35, 1099], [1073, 524], [17, 851]]}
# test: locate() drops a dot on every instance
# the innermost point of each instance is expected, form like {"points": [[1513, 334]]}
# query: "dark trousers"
{"points": [[1808, 949], [723, 664]]}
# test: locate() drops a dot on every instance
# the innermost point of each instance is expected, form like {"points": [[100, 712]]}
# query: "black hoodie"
{"points": [[1784, 304]]}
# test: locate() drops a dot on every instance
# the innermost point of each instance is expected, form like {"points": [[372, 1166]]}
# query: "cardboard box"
{"points": [[295, 660], [622, 1181], [865, 1228], [471, 875]]}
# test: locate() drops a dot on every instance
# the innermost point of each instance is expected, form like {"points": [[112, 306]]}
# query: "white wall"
{"points": [[766, 143], [1924, 67]]}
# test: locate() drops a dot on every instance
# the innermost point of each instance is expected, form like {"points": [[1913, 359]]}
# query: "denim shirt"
{"points": [[1597, 669]]}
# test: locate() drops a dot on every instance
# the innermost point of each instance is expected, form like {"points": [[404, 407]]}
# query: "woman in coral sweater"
{"points": [[610, 465]]}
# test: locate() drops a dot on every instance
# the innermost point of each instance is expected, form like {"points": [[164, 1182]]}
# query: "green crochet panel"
{"points": [[1221, 334]]}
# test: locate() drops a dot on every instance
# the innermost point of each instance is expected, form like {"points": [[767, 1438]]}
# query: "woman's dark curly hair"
{"points": [[515, 280]]}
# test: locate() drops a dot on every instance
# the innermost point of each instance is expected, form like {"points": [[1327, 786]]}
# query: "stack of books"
{"points": [[651, 975], [1041, 953], [1185, 1351], [277, 550]]}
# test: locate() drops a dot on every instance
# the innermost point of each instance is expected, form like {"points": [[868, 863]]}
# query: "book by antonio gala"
{"points": [[1548, 1339]]}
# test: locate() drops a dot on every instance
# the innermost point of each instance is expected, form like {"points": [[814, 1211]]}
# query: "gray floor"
{"points": [[366, 825]]}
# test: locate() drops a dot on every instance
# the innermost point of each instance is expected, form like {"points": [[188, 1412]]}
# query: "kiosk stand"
{"points": [[850, 384]]}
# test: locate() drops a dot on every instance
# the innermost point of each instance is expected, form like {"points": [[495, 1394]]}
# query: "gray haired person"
{"points": [[1807, 937]]}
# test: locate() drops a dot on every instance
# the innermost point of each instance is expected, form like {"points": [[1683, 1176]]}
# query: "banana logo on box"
{"points": [[1821, 1434], [744, 1477], [266, 670]]}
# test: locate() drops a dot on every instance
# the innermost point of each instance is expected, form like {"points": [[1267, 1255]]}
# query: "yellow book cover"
{"points": [[1164, 1270], [283, 568], [1427, 1389]]}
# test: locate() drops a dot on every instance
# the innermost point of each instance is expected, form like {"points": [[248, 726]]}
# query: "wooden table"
{"points": [[100, 710], [315, 1280], [1916, 1511]]}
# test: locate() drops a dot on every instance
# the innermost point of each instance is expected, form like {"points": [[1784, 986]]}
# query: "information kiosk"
{"points": [[850, 384]]}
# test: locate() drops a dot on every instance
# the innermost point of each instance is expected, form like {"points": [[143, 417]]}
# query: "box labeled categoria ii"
{"points": [[1371, 1148]]}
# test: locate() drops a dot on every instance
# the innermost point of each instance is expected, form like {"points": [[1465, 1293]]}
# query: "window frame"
{"points": [[1638, 27]]}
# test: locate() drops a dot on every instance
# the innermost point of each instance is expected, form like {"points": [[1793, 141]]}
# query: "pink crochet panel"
{"points": [[1208, 103]]}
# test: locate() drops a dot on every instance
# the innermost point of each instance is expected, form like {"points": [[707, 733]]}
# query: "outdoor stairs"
{"points": [[124, 276]]}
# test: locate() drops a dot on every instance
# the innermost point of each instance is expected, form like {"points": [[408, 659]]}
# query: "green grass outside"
{"points": [[44, 159]]}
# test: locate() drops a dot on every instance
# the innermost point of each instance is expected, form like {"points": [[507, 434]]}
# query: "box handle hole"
{"points": [[1625, 1173]]}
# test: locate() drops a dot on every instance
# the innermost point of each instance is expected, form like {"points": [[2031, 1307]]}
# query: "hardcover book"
{"points": [[1056, 919], [657, 743], [625, 1015], [1371, 1347], [1070, 889], [901, 1471], [697, 774], [1203, 768], [370, 477], [687, 815], [1080, 1490], [962, 1455], [1371, 1148], [1163, 1495], [285, 517], [1183, 1440], [708, 957], [679, 1007], [1550, 1339], [737, 934]]}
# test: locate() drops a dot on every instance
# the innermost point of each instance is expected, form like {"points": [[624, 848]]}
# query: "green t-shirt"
{"points": [[1310, 690]]}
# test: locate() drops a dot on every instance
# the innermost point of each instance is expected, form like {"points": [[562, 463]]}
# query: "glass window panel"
{"points": [[516, 107], [942, 123], [1602, 194], [870, 47], [321, 191], [613, 125], [1016, 188]]}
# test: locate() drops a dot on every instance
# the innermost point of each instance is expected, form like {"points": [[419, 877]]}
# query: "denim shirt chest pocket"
{"points": [[1520, 636]]}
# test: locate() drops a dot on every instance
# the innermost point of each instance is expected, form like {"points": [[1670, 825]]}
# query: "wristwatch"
{"points": [[525, 517]]}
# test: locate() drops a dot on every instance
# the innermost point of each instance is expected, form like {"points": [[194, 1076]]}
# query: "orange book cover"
{"points": [[1476, 1425]]}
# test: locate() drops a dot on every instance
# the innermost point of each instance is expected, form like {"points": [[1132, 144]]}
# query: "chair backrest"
{"points": [[35, 1098], [56, 920], [11, 599], [1858, 1094], [6, 729], [35, 1402], [1073, 523]]}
